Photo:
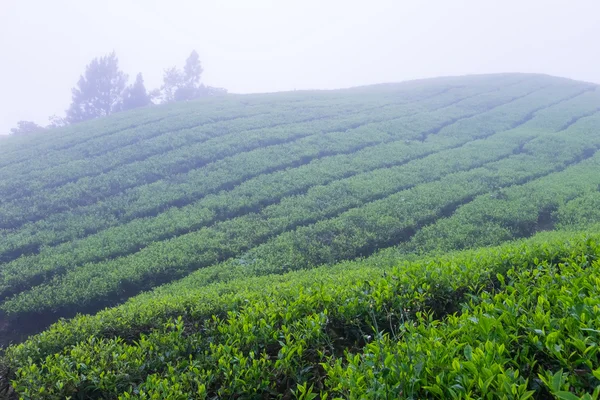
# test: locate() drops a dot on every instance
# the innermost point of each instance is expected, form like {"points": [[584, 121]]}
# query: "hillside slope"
{"points": [[207, 192], [97, 212]]}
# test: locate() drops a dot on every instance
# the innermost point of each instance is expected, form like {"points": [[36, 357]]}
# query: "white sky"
{"points": [[274, 45]]}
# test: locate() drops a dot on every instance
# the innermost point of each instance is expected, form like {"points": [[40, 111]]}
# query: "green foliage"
{"points": [[425, 188], [494, 323], [98, 91], [135, 95], [580, 212], [239, 217], [26, 128], [520, 211]]}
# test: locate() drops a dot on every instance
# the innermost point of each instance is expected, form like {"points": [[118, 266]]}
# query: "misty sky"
{"points": [[262, 46]]}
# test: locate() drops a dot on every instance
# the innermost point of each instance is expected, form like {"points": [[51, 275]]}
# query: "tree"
{"points": [[184, 85], [98, 93], [190, 82], [192, 70], [57, 122], [25, 128], [185, 93], [172, 81], [155, 96], [135, 95]]}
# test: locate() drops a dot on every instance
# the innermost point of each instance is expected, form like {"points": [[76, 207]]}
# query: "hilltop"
{"points": [[192, 222]]}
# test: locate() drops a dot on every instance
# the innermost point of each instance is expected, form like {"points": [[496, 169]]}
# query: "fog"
{"points": [[265, 46]]}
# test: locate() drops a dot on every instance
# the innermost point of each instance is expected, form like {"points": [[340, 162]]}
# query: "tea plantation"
{"points": [[430, 239]]}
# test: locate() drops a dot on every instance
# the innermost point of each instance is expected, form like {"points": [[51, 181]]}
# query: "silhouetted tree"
{"points": [[98, 93], [57, 122], [185, 85], [190, 87], [192, 70], [155, 95], [25, 128], [185, 93], [135, 95], [172, 81]]}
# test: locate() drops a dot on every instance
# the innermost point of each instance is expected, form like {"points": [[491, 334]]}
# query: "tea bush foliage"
{"points": [[326, 244], [517, 321]]}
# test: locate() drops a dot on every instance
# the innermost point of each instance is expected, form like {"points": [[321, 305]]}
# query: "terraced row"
{"points": [[151, 310], [249, 196], [357, 231], [89, 139], [90, 190], [579, 212], [50, 174], [523, 210], [200, 182], [217, 219], [371, 330], [117, 130], [304, 247], [117, 133]]}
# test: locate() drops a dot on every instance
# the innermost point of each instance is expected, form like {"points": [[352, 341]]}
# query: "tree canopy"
{"points": [[25, 128], [98, 92], [183, 85], [102, 90], [135, 95]]}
